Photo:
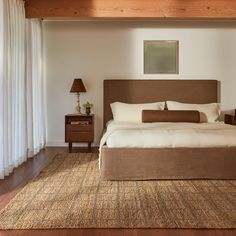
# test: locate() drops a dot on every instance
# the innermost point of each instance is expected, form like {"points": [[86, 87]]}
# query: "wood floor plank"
{"points": [[10, 186]]}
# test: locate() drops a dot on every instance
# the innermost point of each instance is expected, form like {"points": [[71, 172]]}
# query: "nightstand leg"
{"points": [[70, 147], [89, 146]]}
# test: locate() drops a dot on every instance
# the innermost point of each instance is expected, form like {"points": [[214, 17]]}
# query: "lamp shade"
{"points": [[77, 86]]}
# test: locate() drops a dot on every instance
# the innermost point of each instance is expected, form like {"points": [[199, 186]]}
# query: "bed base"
{"points": [[167, 163]]}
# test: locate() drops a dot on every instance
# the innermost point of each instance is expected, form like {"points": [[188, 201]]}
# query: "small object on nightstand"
{"points": [[88, 107], [230, 119], [79, 128]]}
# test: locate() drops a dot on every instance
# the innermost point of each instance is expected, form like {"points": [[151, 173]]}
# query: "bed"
{"points": [[169, 162]]}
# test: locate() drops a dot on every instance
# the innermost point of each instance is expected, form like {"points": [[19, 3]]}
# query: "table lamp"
{"points": [[78, 87]]}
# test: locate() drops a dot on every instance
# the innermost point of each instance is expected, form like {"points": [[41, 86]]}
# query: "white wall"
{"points": [[98, 50]]}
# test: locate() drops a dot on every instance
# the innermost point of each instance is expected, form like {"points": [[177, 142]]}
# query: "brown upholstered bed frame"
{"points": [[164, 163]]}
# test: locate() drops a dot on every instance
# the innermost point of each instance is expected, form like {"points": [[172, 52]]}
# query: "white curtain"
{"points": [[13, 149], [18, 136], [35, 88], [1, 91]]}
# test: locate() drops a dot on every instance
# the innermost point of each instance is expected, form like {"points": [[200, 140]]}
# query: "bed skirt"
{"points": [[167, 163]]}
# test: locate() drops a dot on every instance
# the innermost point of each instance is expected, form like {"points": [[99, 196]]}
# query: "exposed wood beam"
{"points": [[128, 9]]}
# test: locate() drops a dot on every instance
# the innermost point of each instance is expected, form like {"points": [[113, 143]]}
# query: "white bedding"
{"points": [[163, 135]]}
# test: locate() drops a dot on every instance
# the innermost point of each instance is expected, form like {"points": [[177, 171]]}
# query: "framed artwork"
{"points": [[161, 57]]}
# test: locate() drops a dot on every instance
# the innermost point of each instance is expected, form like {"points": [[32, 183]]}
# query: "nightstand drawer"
{"points": [[78, 128], [230, 119], [74, 136]]}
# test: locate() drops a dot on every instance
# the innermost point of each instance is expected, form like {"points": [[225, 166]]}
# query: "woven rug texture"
{"points": [[69, 193]]}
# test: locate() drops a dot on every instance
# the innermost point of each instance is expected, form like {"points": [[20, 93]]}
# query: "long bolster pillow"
{"points": [[149, 116]]}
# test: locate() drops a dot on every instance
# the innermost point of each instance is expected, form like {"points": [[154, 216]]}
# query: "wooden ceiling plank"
{"points": [[110, 9]]}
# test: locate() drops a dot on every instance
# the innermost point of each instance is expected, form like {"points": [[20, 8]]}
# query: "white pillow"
{"points": [[208, 112], [124, 112]]}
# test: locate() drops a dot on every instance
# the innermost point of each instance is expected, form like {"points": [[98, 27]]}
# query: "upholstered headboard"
{"points": [[144, 91]]}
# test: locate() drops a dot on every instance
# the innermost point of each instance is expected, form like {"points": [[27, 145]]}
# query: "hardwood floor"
{"points": [[12, 184], [118, 232]]}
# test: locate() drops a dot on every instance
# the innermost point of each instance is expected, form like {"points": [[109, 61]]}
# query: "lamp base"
{"points": [[78, 108]]}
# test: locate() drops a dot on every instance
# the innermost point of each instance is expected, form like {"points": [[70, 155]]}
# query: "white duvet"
{"points": [[171, 135]]}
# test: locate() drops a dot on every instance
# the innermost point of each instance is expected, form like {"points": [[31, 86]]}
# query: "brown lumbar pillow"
{"points": [[149, 116]]}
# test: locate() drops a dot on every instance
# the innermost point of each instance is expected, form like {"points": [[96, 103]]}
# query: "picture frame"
{"points": [[161, 56]]}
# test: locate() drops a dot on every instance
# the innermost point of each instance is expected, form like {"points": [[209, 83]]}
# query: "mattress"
{"points": [[169, 135]]}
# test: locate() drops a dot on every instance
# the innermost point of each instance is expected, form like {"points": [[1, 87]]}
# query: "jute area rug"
{"points": [[70, 194]]}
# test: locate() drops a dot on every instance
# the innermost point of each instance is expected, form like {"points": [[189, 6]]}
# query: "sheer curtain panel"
{"points": [[13, 147], [1, 91], [22, 126], [35, 88]]}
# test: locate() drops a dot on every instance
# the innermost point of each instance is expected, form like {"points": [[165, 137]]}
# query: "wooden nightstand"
{"points": [[230, 119], [79, 128]]}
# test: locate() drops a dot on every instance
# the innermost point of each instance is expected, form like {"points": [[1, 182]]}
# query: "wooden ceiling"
{"points": [[132, 9]]}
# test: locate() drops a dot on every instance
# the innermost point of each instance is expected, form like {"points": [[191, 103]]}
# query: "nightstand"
{"points": [[230, 119], [79, 129]]}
